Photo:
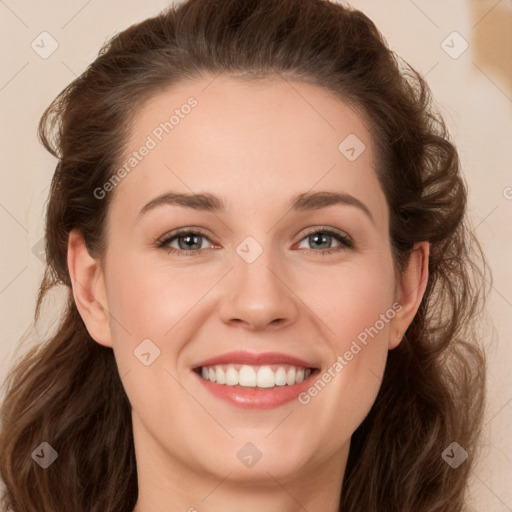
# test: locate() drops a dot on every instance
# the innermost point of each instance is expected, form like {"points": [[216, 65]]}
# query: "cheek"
{"points": [[352, 299], [149, 300], [355, 306], [156, 303]]}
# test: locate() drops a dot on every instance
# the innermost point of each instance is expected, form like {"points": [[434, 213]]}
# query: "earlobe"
{"points": [[411, 288], [88, 284]]}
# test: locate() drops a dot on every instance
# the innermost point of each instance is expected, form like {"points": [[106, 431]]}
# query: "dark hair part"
{"points": [[68, 391]]}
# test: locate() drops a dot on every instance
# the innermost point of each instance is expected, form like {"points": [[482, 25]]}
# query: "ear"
{"points": [[88, 283], [410, 291]]}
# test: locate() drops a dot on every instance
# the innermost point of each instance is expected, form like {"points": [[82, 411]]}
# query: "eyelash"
{"points": [[345, 241]]}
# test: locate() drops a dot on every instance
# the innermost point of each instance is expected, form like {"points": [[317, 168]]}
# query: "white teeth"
{"points": [[247, 376], [231, 376], [280, 377], [255, 376], [219, 373], [265, 377]]}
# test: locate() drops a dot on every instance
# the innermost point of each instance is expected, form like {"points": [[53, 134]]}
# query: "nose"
{"points": [[259, 295]]}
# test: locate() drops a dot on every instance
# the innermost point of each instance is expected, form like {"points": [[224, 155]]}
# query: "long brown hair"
{"points": [[68, 392]]}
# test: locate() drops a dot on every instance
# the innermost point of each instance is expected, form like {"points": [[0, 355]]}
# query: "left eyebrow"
{"points": [[211, 203], [318, 200]]}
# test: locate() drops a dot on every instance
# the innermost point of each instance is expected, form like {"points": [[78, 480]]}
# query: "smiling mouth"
{"points": [[255, 377]]}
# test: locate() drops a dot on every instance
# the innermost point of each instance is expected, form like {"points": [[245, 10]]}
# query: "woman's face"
{"points": [[283, 271]]}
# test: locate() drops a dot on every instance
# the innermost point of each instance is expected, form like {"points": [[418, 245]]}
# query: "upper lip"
{"points": [[250, 358]]}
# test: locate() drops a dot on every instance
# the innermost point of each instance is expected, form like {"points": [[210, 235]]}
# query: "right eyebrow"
{"points": [[206, 202]]}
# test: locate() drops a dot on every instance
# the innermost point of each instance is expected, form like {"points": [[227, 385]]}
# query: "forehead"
{"points": [[252, 143]]}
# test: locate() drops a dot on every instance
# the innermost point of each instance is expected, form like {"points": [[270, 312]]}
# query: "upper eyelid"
{"points": [[181, 231], [171, 236]]}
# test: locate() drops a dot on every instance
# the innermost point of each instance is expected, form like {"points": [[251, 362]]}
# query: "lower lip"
{"points": [[246, 398]]}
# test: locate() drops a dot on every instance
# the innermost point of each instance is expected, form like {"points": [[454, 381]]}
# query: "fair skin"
{"points": [[255, 145]]}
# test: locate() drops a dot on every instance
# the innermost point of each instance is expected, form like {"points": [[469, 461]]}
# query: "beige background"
{"points": [[473, 91]]}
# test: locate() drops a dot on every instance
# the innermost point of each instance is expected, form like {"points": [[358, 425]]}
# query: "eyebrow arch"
{"points": [[211, 203]]}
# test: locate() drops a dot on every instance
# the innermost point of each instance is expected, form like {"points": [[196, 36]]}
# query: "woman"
{"points": [[260, 371]]}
